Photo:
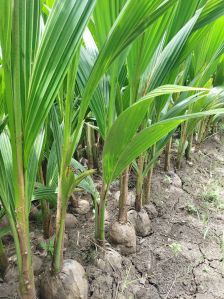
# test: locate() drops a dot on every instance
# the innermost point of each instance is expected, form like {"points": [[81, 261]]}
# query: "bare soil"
{"points": [[183, 257]]}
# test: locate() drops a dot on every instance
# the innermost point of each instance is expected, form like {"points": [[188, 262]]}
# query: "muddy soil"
{"points": [[182, 258]]}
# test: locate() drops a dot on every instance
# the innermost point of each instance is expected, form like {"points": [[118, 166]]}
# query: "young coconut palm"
{"points": [[32, 74], [202, 68]]}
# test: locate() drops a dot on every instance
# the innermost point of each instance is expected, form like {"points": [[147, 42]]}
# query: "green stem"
{"points": [[26, 276], [100, 211], [122, 215], [16, 242], [201, 130], [147, 186], [206, 132], [22, 204], [148, 178], [95, 151], [139, 184], [167, 155], [57, 261], [65, 176], [111, 108], [89, 145]]}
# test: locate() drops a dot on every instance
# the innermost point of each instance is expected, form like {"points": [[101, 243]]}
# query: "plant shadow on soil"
{"points": [[183, 257]]}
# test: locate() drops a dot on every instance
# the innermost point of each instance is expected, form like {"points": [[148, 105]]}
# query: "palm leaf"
{"points": [[62, 35]]}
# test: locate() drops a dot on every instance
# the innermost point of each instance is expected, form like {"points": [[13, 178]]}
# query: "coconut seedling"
{"points": [[203, 68], [109, 91], [66, 182], [32, 72], [118, 155], [144, 50], [156, 66]]}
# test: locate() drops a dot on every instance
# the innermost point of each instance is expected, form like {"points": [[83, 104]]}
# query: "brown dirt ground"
{"points": [[182, 258]]}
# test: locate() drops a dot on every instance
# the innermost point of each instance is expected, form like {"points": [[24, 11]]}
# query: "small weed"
{"points": [[211, 196], [176, 248], [167, 180], [192, 209], [48, 246], [205, 218]]}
